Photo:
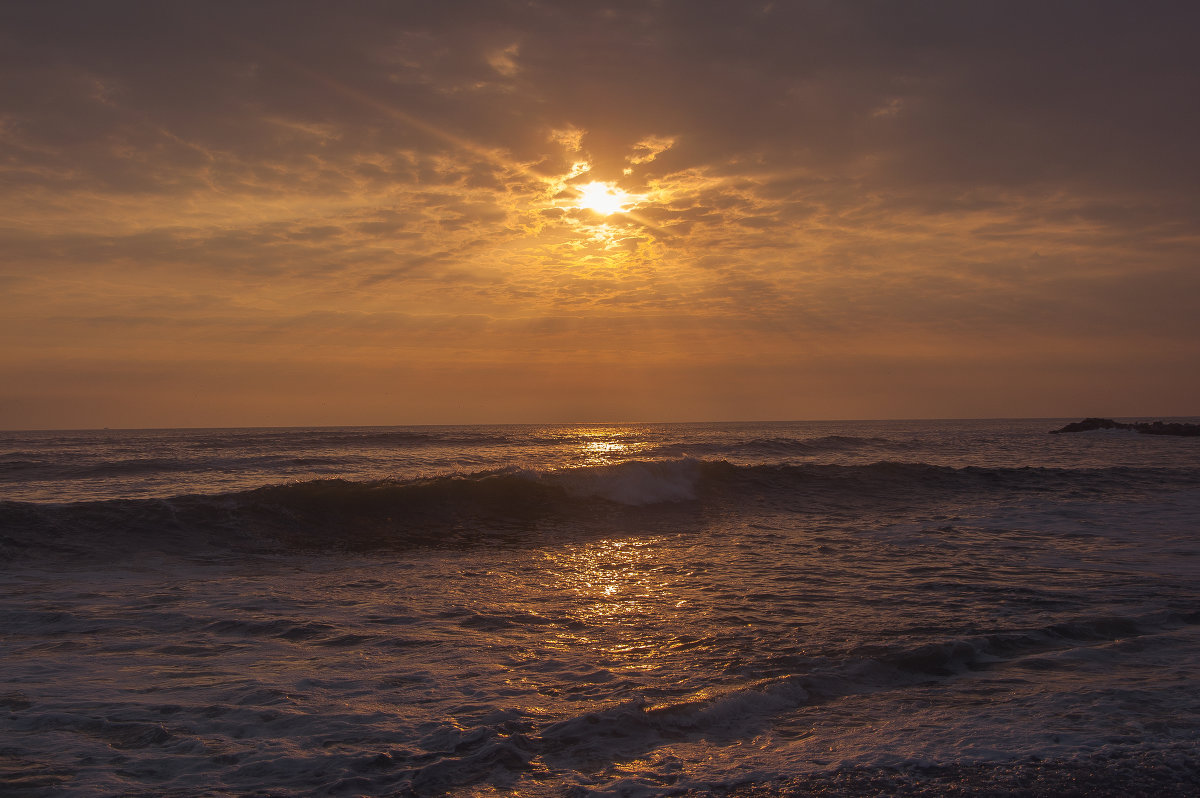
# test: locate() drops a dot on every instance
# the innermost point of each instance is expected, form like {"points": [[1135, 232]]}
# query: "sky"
{"points": [[296, 213]]}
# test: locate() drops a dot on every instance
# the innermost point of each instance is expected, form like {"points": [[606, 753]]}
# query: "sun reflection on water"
{"points": [[603, 445], [603, 450], [620, 597]]}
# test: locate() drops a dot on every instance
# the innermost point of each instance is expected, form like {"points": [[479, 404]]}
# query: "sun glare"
{"points": [[603, 198]]}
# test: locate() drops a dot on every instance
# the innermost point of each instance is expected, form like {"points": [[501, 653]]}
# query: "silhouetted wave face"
{"points": [[514, 504], [75, 466]]}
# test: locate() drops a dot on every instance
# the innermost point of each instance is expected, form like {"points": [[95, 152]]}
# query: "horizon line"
{"points": [[586, 423]]}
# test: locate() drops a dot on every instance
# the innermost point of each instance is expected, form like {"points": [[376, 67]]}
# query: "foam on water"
{"points": [[635, 483], [947, 599]]}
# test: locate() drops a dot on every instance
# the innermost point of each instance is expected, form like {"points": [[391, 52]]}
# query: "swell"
{"points": [[317, 515], [781, 447], [237, 453], [514, 504], [32, 470], [349, 438]]}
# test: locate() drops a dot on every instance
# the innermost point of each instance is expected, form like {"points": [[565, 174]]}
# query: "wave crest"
{"points": [[513, 504], [635, 483]]}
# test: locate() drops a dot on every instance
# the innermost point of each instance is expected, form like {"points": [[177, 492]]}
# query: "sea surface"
{"points": [[631, 610]]}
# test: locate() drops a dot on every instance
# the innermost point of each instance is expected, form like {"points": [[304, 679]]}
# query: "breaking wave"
{"points": [[512, 504]]}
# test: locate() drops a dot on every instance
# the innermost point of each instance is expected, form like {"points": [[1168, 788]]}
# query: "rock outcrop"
{"points": [[1146, 428]]}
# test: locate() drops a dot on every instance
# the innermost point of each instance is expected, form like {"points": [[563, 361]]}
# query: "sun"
{"points": [[603, 198]]}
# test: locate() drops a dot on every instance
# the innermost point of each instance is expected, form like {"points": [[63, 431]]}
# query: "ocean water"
{"points": [[635, 610]]}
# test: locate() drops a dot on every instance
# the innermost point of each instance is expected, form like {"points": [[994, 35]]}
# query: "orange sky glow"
{"points": [[231, 214]]}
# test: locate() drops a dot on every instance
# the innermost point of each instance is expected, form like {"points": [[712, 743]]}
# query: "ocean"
{"points": [[849, 608]]}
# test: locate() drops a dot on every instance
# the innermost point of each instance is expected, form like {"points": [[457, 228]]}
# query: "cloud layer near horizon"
{"points": [[279, 213]]}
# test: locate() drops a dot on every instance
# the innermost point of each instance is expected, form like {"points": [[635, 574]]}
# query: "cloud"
{"points": [[394, 181]]}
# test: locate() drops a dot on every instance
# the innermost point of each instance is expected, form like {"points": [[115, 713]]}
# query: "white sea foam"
{"points": [[634, 483]]}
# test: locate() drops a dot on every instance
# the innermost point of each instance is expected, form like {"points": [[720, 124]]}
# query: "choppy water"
{"points": [[626, 610]]}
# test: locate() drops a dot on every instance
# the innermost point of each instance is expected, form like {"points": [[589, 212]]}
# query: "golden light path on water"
{"points": [[606, 444], [617, 588], [624, 595]]}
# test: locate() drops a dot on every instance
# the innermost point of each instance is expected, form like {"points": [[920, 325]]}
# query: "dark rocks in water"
{"points": [[1155, 428], [1177, 428], [1089, 424]]}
